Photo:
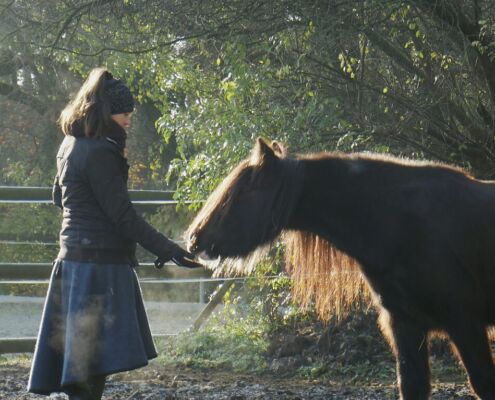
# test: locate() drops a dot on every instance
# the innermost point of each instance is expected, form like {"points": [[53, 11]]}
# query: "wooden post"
{"points": [[215, 300], [17, 345], [201, 291]]}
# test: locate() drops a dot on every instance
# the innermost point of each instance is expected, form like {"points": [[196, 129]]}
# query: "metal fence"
{"points": [[29, 273]]}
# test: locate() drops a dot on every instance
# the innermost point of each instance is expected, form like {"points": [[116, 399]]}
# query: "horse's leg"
{"points": [[471, 342], [410, 345]]}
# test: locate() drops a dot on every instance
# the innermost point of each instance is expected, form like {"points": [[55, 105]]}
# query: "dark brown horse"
{"points": [[423, 235]]}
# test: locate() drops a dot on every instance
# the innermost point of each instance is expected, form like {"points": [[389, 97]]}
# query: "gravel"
{"points": [[162, 383]]}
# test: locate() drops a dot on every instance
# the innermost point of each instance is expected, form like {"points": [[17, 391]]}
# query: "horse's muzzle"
{"points": [[192, 244]]}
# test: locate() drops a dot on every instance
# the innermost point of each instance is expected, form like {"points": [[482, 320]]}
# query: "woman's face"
{"points": [[124, 120]]}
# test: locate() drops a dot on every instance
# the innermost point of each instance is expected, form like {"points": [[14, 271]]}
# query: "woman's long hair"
{"points": [[89, 107]]}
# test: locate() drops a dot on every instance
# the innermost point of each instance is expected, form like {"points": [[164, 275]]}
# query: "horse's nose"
{"points": [[192, 243], [192, 248]]}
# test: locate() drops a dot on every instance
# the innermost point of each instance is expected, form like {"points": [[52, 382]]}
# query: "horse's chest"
{"points": [[400, 293]]}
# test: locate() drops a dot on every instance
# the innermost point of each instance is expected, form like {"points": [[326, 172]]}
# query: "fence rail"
{"points": [[37, 194], [38, 273]]}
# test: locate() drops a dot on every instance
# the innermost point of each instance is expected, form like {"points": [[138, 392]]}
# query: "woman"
{"points": [[94, 323]]}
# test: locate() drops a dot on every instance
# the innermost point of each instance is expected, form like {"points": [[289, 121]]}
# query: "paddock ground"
{"points": [[166, 383]]}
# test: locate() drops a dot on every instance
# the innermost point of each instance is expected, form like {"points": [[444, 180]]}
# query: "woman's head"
{"points": [[100, 100]]}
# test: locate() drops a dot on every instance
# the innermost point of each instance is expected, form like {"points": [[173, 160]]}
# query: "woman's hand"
{"points": [[181, 257]]}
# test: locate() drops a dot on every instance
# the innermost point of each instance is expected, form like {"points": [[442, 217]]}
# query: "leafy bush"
{"points": [[237, 344], [239, 336]]}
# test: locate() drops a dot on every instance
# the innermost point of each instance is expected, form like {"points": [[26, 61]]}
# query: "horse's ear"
{"points": [[262, 153], [278, 149]]}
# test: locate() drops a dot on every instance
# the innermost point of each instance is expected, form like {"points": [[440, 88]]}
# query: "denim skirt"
{"points": [[93, 323]]}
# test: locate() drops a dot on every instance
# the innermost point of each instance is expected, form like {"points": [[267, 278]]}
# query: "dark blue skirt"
{"points": [[93, 323]]}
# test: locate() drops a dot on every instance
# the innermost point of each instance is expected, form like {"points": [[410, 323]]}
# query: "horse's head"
{"points": [[242, 213]]}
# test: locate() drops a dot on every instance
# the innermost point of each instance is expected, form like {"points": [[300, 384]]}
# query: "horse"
{"points": [[421, 234]]}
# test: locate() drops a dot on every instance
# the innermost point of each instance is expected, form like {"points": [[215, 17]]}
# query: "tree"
{"points": [[410, 77], [35, 84]]}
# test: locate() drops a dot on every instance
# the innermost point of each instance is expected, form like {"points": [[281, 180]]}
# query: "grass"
{"points": [[238, 347], [16, 360]]}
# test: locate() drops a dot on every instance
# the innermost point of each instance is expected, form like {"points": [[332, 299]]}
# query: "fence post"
{"points": [[215, 299], [201, 291]]}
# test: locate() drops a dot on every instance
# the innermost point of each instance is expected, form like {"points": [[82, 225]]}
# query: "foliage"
{"points": [[243, 340], [16, 222], [410, 77], [24, 228], [240, 335], [229, 342]]}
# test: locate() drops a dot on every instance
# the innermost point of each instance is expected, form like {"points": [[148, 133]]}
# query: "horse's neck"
{"points": [[288, 191], [334, 203]]}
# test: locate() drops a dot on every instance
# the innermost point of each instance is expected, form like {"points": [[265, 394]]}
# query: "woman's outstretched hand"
{"points": [[181, 257]]}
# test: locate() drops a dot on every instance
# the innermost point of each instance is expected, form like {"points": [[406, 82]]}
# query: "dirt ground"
{"points": [[166, 383]]}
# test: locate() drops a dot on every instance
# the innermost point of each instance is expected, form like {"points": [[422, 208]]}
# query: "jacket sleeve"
{"points": [[57, 193], [109, 187]]}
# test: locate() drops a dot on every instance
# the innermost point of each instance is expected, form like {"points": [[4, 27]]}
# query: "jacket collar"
{"points": [[114, 132]]}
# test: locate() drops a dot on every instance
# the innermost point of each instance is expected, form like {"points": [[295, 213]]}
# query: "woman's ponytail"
{"points": [[90, 107]]}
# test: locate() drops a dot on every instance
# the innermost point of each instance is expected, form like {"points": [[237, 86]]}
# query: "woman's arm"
{"points": [[105, 177]]}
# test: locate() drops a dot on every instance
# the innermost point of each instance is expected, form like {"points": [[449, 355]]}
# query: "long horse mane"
{"points": [[323, 275]]}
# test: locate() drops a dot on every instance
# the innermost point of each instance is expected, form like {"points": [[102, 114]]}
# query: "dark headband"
{"points": [[118, 95]]}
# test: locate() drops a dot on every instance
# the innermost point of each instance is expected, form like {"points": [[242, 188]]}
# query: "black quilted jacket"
{"points": [[99, 222]]}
